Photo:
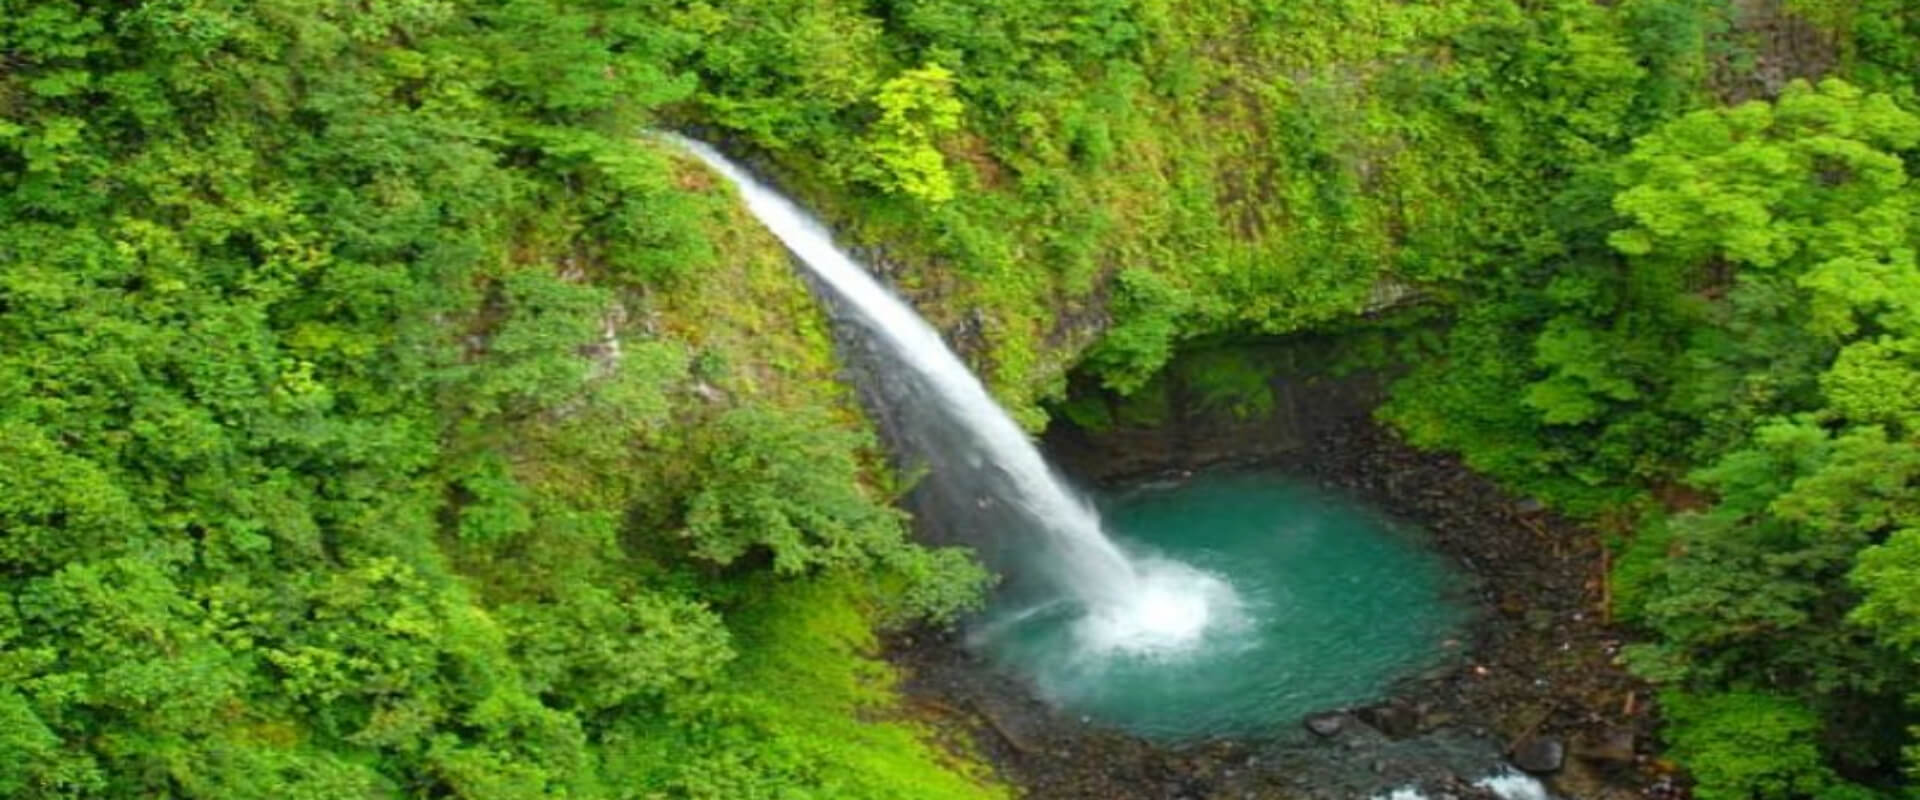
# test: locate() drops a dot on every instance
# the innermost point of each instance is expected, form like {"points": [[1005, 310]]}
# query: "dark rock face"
{"points": [[1326, 723], [1540, 755], [1197, 431]]}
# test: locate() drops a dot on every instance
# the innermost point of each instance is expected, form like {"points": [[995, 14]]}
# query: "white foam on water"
{"points": [[1508, 783], [1512, 784], [1175, 607]]}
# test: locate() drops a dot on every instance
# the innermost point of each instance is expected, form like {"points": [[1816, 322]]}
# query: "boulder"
{"points": [[1326, 723], [1540, 754], [1606, 747], [1395, 719]]}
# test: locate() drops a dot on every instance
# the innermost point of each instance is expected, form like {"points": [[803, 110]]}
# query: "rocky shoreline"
{"points": [[1535, 682]]}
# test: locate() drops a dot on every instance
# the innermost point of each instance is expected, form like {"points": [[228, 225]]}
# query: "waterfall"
{"points": [[972, 444]]}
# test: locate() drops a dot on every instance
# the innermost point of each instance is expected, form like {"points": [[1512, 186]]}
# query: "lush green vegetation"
{"points": [[1704, 346], [1720, 365], [381, 420], [383, 415]]}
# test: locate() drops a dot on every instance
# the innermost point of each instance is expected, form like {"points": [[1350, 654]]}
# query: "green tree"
{"points": [[1752, 746], [916, 107]]}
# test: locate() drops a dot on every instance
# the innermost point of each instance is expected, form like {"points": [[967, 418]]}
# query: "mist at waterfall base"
{"points": [[1329, 605], [1232, 608]]}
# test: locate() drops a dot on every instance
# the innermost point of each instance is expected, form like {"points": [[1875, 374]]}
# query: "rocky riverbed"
{"points": [[1535, 682]]}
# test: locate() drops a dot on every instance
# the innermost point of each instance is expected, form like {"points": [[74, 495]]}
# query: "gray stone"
{"points": [[1540, 754], [1326, 723]]}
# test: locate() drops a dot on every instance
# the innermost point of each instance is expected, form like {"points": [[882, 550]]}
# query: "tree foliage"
{"points": [[1753, 745], [1748, 335], [915, 107], [338, 388], [381, 418]]}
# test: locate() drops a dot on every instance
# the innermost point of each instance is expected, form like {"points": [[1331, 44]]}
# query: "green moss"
{"points": [[1149, 407], [1088, 410], [1230, 379]]}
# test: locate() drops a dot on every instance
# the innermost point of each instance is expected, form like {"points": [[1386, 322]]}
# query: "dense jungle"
{"points": [[385, 411]]}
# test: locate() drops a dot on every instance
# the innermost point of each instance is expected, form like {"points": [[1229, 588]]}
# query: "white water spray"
{"points": [[1152, 605], [1507, 783], [1512, 784]]}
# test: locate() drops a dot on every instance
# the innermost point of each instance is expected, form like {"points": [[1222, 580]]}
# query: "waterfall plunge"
{"points": [[1129, 605]]}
